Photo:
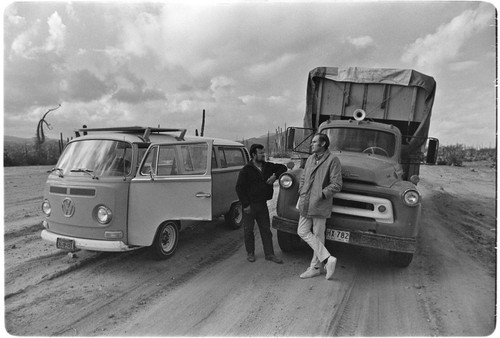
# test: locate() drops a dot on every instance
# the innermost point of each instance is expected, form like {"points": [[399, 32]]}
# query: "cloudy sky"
{"points": [[246, 64]]}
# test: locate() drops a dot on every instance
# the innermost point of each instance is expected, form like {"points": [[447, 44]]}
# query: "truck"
{"points": [[377, 120]]}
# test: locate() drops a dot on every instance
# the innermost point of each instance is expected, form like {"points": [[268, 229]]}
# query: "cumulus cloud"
{"points": [[57, 32], [27, 44], [22, 45], [222, 87], [360, 42], [449, 39], [138, 95], [141, 35], [84, 86]]}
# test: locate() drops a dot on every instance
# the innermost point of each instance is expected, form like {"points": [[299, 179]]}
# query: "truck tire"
{"points": [[401, 259], [234, 218], [288, 242], [165, 241]]}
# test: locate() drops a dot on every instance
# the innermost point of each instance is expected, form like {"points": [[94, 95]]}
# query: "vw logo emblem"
{"points": [[68, 207]]}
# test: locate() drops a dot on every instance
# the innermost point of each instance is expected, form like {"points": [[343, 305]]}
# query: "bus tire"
{"points": [[288, 242], [165, 241], [401, 259], [234, 218]]}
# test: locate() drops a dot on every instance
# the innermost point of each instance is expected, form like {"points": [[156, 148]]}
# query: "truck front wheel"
{"points": [[287, 241], [401, 259], [165, 241]]}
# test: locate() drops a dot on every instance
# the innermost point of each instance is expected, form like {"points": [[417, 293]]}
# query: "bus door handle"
{"points": [[203, 194]]}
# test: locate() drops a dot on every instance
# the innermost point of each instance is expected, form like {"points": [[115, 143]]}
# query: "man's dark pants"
{"points": [[260, 213]]}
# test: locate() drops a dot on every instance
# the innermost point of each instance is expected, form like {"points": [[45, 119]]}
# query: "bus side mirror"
{"points": [[290, 136], [432, 151]]}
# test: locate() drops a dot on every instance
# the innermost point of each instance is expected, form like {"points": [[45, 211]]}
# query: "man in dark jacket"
{"points": [[254, 188]]}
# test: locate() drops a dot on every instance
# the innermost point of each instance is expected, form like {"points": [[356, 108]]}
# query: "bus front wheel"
{"points": [[165, 241]]}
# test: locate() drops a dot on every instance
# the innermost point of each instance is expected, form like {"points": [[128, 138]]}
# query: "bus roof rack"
{"points": [[146, 131]]}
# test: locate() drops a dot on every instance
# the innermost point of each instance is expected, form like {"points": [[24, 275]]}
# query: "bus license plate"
{"points": [[65, 244], [337, 235]]}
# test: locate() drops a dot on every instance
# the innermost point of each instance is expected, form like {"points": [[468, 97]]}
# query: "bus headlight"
{"points": [[46, 208], [286, 181], [411, 197], [104, 214]]}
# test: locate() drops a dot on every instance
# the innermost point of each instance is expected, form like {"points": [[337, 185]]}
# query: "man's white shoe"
{"points": [[310, 272], [330, 267]]}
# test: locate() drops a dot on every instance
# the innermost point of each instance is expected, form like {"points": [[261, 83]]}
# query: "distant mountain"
{"points": [[274, 144], [17, 140]]}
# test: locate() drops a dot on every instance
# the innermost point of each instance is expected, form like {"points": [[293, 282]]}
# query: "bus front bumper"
{"points": [[361, 238], [88, 244]]}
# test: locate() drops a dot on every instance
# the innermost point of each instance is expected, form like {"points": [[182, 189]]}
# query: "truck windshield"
{"points": [[361, 140], [97, 158]]}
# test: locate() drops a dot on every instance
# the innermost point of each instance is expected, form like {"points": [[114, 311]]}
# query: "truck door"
{"points": [[173, 183]]}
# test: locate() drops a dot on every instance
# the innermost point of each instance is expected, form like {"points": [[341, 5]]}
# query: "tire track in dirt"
{"points": [[85, 304]]}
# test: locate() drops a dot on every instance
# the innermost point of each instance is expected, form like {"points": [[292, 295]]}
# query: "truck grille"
{"points": [[379, 209], [353, 204]]}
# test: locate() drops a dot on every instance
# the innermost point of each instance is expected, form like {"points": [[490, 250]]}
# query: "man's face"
{"points": [[260, 156], [316, 146]]}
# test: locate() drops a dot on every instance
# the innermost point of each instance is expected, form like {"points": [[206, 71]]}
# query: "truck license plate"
{"points": [[65, 244], [337, 235]]}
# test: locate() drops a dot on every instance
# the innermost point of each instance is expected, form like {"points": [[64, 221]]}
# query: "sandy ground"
{"points": [[208, 288]]}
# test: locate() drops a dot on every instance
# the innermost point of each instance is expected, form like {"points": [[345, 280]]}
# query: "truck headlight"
{"points": [[104, 214], [46, 208], [411, 197], [286, 181]]}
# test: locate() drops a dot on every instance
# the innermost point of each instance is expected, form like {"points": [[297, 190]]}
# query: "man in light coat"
{"points": [[321, 179]]}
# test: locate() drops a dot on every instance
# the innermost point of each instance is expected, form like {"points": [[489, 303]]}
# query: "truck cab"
{"points": [[380, 152]]}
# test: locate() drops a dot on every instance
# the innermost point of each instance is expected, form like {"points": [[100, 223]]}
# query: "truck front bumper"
{"points": [[361, 238]]}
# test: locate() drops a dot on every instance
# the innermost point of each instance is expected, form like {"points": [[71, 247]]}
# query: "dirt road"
{"points": [[208, 288]]}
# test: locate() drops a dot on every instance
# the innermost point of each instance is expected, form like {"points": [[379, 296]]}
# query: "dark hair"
{"points": [[254, 147], [323, 138]]}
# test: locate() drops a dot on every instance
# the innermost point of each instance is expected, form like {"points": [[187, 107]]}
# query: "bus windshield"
{"points": [[361, 141], [96, 158]]}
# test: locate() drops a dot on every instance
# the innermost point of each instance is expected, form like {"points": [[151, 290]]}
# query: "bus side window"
{"points": [[223, 163], [167, 164], [234, 157], [194, 158], [214, 161]]}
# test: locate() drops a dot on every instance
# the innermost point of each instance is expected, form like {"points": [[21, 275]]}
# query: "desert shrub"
{"points": [[451, 155]]}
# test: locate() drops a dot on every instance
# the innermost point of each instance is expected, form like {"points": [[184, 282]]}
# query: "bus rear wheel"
{"points": [[234, 218], [165, 241]]}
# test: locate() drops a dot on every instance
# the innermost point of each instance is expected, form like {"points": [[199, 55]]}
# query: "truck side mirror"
{"points": [[432, 151], [290, 136], [299, 139]]}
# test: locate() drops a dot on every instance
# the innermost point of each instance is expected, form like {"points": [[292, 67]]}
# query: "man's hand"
{"points": [[271, 179], [247, 210]]}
